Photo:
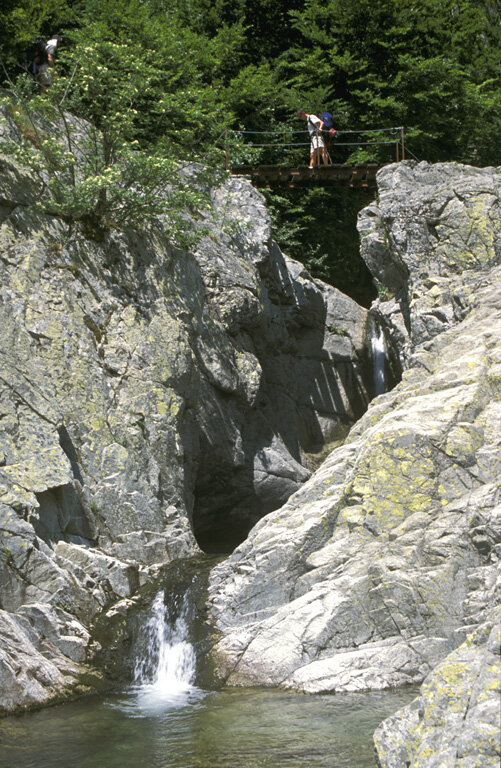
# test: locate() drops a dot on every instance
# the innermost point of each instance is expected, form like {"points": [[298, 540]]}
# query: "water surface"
{"points": [[236, 728], [165, 721]]}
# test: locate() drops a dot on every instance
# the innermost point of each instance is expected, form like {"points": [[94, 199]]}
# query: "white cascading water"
{"points": [[166, 669], [378, 345]]}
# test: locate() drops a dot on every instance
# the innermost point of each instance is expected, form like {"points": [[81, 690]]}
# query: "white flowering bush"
{"points": [[80, 137]]}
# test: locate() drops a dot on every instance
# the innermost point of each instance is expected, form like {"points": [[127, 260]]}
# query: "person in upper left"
{"points": [[49, 61], [317, 146]]}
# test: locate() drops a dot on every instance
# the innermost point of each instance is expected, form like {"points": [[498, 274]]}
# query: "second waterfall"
{"points": [[378, 346]]}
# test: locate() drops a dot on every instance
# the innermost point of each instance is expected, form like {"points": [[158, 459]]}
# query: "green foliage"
{"points": [[337, 331], [178, 77], [318, 227], [92, 167], [23, 20], [383, 292], [426, 66], [6, 556], [432, 66]]}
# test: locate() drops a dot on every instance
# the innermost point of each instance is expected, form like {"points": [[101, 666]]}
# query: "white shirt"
{"points": [[313, 124], [51, 46]]}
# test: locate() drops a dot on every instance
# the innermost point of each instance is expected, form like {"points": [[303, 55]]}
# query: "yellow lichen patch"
{"points": [[13, 494], [175, 405], [162, 407], [98, 423], [166, 402], [452, 673], [492, 681], [352, 516], [394, 487], [114, 459], [45, 468], [435, 591], [249, 372], [470, 242]]}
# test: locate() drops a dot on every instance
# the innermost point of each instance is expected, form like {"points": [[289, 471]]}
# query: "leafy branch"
{"points": [[90, 164]]}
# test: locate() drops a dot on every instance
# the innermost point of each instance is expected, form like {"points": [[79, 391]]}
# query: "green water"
{"points": [[237, 728]]}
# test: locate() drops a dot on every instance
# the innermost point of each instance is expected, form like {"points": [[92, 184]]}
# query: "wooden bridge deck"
{"points": [[323, 175]]}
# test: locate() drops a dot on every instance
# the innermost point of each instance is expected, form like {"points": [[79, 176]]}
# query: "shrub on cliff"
{"points": [[79, 137]]}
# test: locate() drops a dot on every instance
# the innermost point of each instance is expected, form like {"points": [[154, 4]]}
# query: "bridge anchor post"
{"points": [[226, 149]]}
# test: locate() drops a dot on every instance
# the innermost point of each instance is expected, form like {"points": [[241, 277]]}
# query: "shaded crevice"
{"points": [[62, 517], [224, 510], [324, 221], [221, 535], [232, 493], [67, 446], [6, 208]]}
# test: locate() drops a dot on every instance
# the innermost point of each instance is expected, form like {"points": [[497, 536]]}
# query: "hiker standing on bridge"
{"points": [[317, 146]]}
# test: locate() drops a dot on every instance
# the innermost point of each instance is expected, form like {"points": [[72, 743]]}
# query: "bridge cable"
{"points": [[289, 131], [338, 144]]}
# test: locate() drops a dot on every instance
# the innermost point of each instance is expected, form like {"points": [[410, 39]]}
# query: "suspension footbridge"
{"points": [[332, 175], [281, 153]]}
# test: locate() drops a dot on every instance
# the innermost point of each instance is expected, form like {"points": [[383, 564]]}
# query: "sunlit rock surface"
{"points": [[455, 721], [428, 242], [386, 560]]}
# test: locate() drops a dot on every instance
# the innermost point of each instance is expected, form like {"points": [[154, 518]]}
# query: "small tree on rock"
{"points": [[80, 137]]}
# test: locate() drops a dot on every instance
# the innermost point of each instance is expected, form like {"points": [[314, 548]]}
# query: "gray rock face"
{"points": [[455, 721], [284, 381], [428, 241], [149, 397], [386, 559]]}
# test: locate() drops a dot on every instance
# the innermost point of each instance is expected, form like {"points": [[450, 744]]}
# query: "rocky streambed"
{"points": [[156, 402]]}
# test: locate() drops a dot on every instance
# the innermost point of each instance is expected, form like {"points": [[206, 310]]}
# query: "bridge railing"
{"points": [[291, 147]]}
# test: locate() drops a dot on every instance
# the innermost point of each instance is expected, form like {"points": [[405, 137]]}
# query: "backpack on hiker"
{"points": [[326, 118], [35, 56]]}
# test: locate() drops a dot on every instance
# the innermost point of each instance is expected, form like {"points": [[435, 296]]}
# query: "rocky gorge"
{"points": [[383, 569], [152, 398], [156, 402]]}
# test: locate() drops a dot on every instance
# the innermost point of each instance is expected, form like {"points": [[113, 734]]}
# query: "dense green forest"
{"points": [[188, 77]]}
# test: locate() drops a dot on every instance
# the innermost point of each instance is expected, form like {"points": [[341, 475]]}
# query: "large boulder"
{"points": [[383, 560]]}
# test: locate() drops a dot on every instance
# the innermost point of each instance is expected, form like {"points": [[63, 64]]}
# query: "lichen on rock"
{"points": [[152, 400], [455, 721]]}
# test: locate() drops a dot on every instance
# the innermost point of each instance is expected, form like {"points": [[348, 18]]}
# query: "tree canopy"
{"points": [[213, 66], [431, 65]]}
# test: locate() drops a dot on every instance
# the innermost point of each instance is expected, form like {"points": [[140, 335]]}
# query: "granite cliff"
{"points": [[152, 401]]}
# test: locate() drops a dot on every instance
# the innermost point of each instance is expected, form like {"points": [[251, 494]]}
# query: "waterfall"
{"points": [[378, 345], [166, 667]]}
